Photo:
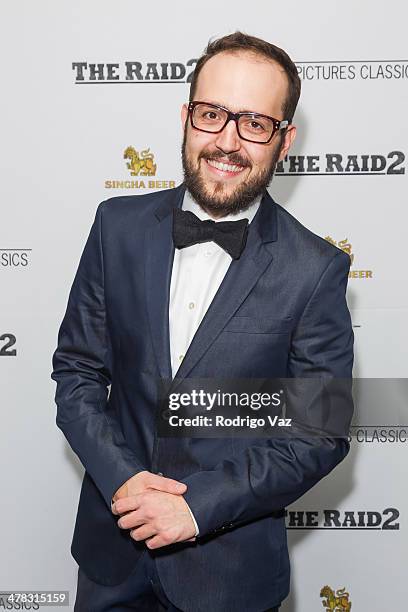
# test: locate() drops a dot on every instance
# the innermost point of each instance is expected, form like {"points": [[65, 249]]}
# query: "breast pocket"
{"points": [[260, 325]]}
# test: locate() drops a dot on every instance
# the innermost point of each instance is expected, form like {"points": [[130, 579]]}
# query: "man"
{"points": [[197, 524]]}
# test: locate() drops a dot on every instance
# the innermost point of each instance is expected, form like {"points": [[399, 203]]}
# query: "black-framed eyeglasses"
{"points": [[252, 127]]}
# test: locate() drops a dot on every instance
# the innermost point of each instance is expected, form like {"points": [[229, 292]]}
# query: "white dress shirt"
{"points": [[196, 276]]}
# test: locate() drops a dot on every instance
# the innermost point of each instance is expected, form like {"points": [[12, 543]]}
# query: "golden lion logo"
{"points": [[143, 164], [335, 602], [344, 245]]}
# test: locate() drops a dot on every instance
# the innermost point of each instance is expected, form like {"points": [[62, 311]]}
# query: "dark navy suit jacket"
{"points": [[279, 312]]}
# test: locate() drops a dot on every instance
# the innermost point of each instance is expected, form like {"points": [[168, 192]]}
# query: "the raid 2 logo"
{"points": [[338, 164], [344, 519], [133, 72]]}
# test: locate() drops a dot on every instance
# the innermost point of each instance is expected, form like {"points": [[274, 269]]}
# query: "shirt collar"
{"points": [[190, 204]]}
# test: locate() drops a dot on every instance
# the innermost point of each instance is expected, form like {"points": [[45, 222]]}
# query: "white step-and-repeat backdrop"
{"points": [[88, 88]]}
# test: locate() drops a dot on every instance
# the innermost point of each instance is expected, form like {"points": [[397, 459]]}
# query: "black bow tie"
{"points": [[188, 229]]}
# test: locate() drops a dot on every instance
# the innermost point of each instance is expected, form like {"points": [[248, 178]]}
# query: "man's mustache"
{"points": [[232, 158]]}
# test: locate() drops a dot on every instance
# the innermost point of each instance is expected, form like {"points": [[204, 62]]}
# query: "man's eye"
{"points": [[210, 115], [254, 126]]}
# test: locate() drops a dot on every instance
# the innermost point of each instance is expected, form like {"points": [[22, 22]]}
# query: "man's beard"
{"points": [[218, 202]]}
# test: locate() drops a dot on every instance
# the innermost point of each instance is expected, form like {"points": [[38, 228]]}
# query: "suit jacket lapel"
{"points": [[241, 277]]}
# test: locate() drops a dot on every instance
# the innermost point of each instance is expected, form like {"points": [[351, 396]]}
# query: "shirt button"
{"points": [[191, 305], [181, 357]]}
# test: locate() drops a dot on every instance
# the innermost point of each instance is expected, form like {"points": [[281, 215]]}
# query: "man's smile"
{"points": [[223, 168]]}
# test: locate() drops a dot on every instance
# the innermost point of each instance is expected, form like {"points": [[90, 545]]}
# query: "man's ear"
{"points": [[288, 138], [184, 115]]}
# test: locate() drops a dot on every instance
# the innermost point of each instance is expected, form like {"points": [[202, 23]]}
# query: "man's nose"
{"points": [[228, 140]]}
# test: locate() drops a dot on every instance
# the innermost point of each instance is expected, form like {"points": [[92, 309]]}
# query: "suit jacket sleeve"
{"points": [[265, 478], [82, 371]]}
